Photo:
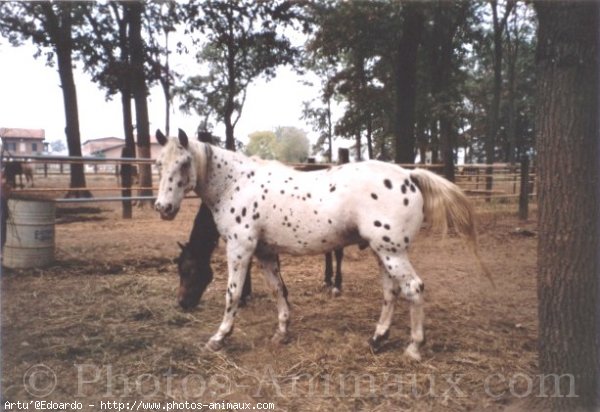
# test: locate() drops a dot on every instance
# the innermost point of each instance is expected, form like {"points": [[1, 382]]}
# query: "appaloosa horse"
{"points": [[263, 208]]}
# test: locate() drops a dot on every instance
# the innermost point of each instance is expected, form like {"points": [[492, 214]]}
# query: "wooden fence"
{"points": [[496, 183]]}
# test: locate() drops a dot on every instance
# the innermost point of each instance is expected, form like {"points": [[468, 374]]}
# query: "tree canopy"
{"points": [[286, 144]]}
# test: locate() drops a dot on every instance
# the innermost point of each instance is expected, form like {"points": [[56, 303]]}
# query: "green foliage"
{"points": [[240, 41], [355, 48], [46, 24], [292, 144], [358, 42], [262, 144], [287, 144], [106, 47]]}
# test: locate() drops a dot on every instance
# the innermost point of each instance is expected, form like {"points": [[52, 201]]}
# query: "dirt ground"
{"points": [[102, 324]]}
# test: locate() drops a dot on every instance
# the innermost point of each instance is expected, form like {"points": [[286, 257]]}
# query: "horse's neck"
{"points": [[218, 170]]}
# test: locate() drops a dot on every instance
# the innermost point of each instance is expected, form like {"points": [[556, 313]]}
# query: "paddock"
{"points": [[103, 323]]}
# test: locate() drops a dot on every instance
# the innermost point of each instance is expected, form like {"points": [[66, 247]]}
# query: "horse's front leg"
{"points": [[238, 259], [270, 267]]}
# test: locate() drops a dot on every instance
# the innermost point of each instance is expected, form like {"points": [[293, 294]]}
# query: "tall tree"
{"points": [[405, 76], [520, 76], [448, 17], [499, 25], [567, 140], [139, 89], [242, 41], [374, 46], [50, 26]]}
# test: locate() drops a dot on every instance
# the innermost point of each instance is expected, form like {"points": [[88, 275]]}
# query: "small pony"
{"points": [[263, 208]]}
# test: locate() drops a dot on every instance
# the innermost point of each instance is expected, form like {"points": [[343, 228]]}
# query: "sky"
{"points": [[30, 97]]}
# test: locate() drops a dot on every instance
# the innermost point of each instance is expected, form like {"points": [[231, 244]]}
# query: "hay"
{"points": [[111, 307]]}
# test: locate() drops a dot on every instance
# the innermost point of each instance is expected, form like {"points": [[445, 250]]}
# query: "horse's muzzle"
{"points": [[167, 211]]}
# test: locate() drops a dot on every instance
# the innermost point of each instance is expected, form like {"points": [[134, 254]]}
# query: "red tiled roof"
{"points": [[22, 133]]}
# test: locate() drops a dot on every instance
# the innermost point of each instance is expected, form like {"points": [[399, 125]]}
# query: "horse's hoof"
{"points": [[214, 345], [280, 338], [335, 292], [412, 352], [376, 342], [375, 345], [244, 301]]}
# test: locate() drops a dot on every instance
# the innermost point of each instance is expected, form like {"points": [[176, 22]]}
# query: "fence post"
{"points": [[126, 183], [524, 194], [343, 156]]}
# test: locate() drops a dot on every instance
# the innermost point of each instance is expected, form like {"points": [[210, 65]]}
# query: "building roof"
{"points": [[22, 133], [102, 139]]}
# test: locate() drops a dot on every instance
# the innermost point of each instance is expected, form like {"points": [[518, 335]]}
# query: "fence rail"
{"points": [[481, 182]]}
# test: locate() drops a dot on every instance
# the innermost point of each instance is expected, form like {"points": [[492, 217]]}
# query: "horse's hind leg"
{"points": [[270, 267], [399, 276], [337, 285], [328, 270], [247, 289]]}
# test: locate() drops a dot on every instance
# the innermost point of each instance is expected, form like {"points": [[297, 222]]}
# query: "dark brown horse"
{"points": [[14, 168], [195, 272], [193, 264]]}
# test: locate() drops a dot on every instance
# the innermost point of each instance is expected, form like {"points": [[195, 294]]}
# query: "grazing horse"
{"points": [[195, 273], [263, 208], [193, 264], [13, 168]]}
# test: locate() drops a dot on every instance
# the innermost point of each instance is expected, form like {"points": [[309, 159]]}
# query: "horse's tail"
{"points": [[445, 204]]}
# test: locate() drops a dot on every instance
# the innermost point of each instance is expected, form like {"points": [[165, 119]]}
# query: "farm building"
{"points": [[110, 147], [23, 142]]}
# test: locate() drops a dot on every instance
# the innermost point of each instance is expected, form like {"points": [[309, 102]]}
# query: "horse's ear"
{"points": [[161, 138], [183, 139]]}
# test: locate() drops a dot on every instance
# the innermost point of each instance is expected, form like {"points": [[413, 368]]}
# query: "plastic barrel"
{"points": [[29, 234]]}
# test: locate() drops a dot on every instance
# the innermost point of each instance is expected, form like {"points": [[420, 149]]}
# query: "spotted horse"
{"points": [[264, 208]]}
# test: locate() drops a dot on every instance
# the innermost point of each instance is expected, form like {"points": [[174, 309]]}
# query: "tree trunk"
{"points": [[128, 151], [567, 141], [435, 143], [358, 146], [448, 143], [231, 93], [59, 28], [140, 93], [494, 113], [512, 56], [72, 121], [329, 132], [229, 133], [370, 135], [405, 82]]}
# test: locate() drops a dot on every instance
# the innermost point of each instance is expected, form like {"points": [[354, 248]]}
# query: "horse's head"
{"points": [[194, 277], [177, 167]]}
